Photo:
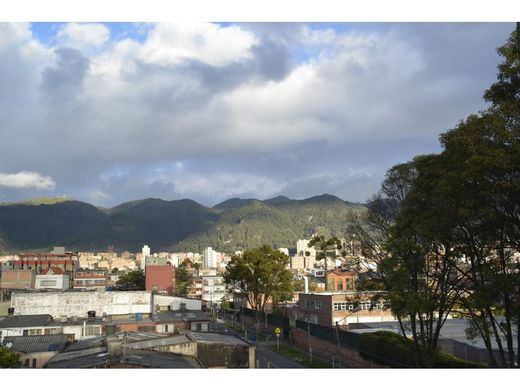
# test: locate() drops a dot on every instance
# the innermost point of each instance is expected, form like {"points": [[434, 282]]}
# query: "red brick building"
{"points": [[97, 279], [17, 279], [341, 280], [67, 261], [160, 277]]}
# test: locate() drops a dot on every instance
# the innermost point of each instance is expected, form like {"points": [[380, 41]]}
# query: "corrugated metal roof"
{"points": [[159, 342], [26, 321], [43, 343]]}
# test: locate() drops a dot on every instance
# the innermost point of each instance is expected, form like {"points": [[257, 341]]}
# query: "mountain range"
{"points": [[177, 225]]}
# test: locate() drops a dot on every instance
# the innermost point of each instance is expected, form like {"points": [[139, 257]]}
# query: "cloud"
{"points": [[27, 180], [249, 109], [83, 36]]}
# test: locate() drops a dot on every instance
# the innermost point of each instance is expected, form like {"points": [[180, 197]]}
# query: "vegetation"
{"points": [[323, 247], [300, 357], [8, 358], [445, 228], [183, 278], [132, 281], [261, 276], [391, 349], [182, 225]]}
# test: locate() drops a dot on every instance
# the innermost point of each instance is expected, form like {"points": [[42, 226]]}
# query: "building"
{"points": [[145, 252], [52, 278], [213, 288], [160, 278], [18, 279], [341, 280], [285, 251], [195, 290], [97, 279], [58, 258], [111, 303], [327, 308], [209, 258], [35, 351], [302, 248]]}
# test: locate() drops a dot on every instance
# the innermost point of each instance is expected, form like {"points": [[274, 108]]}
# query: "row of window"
{"points": [[366, 305]]}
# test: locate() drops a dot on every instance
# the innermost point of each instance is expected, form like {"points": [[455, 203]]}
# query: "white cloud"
{"points": [[83, 35], [206, 42], [224, 185], [27, 180]]}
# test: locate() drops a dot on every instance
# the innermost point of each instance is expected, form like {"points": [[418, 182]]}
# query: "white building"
{"points": [[145, 253], [285, 251], [174, 260], [209, 258], [52, 278], [213, 288], [302, 248]]}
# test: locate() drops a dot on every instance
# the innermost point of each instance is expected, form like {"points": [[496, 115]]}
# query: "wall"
{"points": [[17, 279], [161, 277], [41, 358], [70, 304]]}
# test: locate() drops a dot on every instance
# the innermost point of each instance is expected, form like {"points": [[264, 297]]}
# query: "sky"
{"points": [[111, 112]]}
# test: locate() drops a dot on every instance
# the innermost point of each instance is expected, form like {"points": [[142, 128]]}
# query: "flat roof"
{"points": [[40, 343]]}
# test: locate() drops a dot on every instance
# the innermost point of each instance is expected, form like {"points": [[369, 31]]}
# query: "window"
{"points": [[146, 328], [318, 305], [34, 363], [93, 330], [48, 283], [26, 363], [340, 284], [34, 332]]}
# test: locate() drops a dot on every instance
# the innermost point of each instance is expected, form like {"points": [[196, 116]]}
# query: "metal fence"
{"points": [[330, 334]]}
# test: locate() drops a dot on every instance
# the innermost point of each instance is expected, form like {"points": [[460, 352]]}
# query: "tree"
{"points": [[325, 246], [183, 278], [260, 275], [8, 358], [132, 281]]}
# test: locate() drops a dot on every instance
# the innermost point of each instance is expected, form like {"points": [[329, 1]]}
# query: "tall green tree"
{"points": [[183, 279], [132, 281], [260, 275], [324, 247]]}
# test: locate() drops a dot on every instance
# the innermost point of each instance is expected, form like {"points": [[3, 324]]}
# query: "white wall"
{"points": [[70, 304]]}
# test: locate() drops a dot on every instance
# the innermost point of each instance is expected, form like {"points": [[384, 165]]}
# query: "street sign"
{"points": [[277, 331]]}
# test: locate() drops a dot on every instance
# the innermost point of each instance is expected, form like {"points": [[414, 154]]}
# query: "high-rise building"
{"points": [[302, 248], [209, 258], [145, 253]]}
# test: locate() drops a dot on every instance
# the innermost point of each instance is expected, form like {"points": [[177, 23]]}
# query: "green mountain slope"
{"points": [[169, 225]]}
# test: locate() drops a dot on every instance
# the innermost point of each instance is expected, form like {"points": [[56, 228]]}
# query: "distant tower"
{"points": [[145, 252], [209, 258], [111, 248]]}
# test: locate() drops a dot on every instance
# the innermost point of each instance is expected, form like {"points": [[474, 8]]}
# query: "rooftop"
{"points": [[216, 338], [177, 315], [26, 321], [44, 343]]}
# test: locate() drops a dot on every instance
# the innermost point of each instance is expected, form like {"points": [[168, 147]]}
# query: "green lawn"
{"points": [[300, 357]]}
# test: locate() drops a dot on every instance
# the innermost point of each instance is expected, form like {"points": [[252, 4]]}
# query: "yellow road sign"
{"points": [[277, 331]]}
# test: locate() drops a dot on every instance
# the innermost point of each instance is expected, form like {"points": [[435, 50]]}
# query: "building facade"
{"points": [[343, 308], [52, 278], [160, 278], [97, 279], [209, 258]]}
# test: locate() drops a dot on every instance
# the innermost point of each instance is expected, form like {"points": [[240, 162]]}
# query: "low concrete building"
{"points": [[329, 308], [52, 278], [110, 303], [35, 351]]}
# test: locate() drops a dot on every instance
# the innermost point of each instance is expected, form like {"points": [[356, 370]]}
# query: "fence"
{"points": [[333, 335]]}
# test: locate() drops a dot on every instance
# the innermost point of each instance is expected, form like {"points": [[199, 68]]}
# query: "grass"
{"points": [[300, 357], [235, 327]]}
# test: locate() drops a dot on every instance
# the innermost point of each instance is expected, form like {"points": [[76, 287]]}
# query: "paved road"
{"points": [[265, 355]]}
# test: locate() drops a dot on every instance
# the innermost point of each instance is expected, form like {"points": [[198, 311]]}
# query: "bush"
{"points": [[387, 348], [392, 349]]}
